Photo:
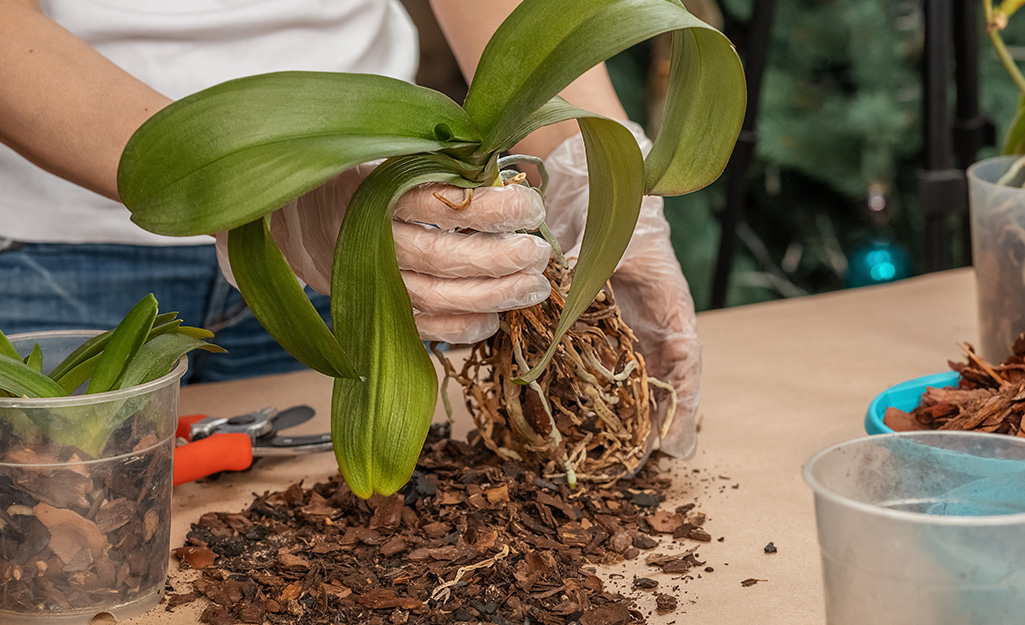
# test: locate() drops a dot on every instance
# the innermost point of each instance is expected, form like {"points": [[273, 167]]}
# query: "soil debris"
{"points": [[472, 538], [665, 603], [988, 398], [645, 583]]}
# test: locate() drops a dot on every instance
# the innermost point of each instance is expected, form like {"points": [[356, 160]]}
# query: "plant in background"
{"points": [[995, 202], [227, 157], [996, 21], [145, 346]]}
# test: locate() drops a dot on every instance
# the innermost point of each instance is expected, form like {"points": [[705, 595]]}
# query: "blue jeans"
{"points": [[71, 287]]}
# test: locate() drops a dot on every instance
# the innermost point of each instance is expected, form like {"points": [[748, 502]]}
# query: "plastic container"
{"points": [[85, 497], [922, 528], [904, 396], [998, 255]]}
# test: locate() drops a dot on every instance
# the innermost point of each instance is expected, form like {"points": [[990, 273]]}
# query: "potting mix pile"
{"points": [[988, 398], [471, 538]]}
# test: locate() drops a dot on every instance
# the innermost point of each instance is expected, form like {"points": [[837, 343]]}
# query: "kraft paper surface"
{"points": [[781, 381]]}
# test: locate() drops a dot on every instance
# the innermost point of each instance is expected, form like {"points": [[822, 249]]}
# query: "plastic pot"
{"points": [[922, 528], [85, 496]]}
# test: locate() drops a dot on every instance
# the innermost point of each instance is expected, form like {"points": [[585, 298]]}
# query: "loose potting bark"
{"points": [[472, 538], [988, 398], [505, 528], [79, 535]]}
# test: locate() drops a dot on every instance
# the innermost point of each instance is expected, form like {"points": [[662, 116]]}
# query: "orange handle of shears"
{"points": [[220, 452], [185, 425]]}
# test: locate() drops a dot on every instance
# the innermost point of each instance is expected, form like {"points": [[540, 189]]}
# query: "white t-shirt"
{"points": [[179, 47]]}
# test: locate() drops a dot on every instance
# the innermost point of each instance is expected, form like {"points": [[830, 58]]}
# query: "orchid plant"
{"points": [[227, 157]]}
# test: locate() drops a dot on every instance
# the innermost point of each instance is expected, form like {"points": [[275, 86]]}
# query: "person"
{"points": [[78, 77]]}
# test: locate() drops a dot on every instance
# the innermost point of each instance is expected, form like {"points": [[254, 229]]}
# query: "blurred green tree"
{"points": [[840, 116]]}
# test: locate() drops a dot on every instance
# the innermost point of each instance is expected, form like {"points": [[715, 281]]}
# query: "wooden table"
{"points": [[781, 381]]}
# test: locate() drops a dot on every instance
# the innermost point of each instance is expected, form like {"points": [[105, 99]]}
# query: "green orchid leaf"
{"points": [[196, 333], [543, 46], [552, 112], [163, 322], [1014, 142], [143, 365], [126, 341], [379, 425], [159, 355], [164, 328], [21, 380], [704, 111], [615, 174], [78, 375], [227, 155], [35, 358], [279, 303], [7, 349]]}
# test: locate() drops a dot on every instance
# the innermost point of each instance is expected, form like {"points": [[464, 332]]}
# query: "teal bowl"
{"points": [[903, 396]]}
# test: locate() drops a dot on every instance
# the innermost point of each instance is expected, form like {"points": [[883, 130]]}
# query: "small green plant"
{"points": [[145, 346], [227, 157], [996, 21]]}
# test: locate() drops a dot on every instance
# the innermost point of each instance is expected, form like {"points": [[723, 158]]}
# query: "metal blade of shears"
{"points": [[291, 445], [278, 444], [296, 415]]}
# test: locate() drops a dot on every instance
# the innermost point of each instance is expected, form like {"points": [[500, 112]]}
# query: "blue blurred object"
{"points": [[878, 262], [988, 496], [903, 396], [881, 259]]}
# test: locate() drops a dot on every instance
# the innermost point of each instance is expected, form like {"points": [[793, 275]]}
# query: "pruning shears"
{"points": [[208, 445]]}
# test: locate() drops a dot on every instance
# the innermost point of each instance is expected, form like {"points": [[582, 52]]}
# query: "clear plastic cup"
{"points": [[922, 528], [998, 254], [85, 496]]}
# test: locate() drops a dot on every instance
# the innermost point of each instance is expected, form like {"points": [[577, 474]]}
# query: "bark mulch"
{"points": [[988, 398], [471, 539]]}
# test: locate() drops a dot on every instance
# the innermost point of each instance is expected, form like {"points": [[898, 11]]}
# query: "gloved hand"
{"points": [[462, 265], [649, 287]]}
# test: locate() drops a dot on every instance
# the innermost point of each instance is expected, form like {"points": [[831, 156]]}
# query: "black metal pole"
{"points": [[935, 76], [936, 129], [759, 36], [972, 130], [970, 133]]}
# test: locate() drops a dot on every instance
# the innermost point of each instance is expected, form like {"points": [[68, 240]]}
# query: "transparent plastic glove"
{"points": [[461, 266], [649, 287]]}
